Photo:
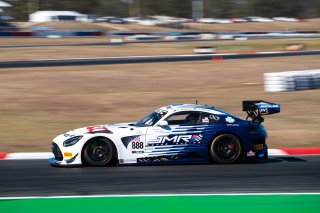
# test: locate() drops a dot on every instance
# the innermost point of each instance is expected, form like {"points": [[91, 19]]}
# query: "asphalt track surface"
{"points": [[279, 174], [147, 59]]}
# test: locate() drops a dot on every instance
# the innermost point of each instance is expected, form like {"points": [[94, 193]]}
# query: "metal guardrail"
{"points": [[147, 59]]}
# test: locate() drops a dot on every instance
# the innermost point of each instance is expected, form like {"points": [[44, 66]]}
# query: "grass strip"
{"points": [[207, 203]]}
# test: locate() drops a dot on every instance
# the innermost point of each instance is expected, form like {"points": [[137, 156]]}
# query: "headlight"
{"points": [[72, 141]]}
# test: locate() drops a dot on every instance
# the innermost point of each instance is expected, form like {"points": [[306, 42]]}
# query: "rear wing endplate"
{"points": [[256, 109]]}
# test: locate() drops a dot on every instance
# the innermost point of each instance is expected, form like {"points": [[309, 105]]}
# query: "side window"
{"points": [[184, 118], [207, 118]]}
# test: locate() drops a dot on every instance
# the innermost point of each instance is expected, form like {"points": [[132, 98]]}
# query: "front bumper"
{"points": [[56, 152], [54, 162], [64, 157]]}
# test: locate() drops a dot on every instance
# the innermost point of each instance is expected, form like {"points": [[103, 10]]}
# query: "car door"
{"points": [[181, 134]]}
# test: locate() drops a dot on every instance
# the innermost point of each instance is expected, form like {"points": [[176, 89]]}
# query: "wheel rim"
{"points": [[227, 149], [98, 152]]}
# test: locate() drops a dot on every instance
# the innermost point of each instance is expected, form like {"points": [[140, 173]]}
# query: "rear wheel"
{"points": [[225, 148], [98, 152]]}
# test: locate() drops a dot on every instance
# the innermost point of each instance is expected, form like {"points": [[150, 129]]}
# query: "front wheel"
{"points": [[225, 148], [98, 152]]}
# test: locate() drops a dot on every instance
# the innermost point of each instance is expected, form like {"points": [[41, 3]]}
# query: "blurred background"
{"points": [[21, 9], [38, 103]]}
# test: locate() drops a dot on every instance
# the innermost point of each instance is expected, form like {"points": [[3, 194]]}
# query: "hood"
{"points": [[106, 128]]}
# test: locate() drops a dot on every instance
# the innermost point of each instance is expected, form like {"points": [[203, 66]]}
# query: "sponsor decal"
{"points": [[137, 152], [123, 161], [196, 138], [264, 111], [258, 146], [175, 139], [270, 106], [67, 154], [69, 134], [204, 110], [96, 128], [136, 139], [185, 109], [205, 120], [233, 125], [210, 111], [230, 120], [251, 154], [214, 117], [129, 161], [158, 129]]}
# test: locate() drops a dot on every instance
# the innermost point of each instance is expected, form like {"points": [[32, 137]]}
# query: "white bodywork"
{"points": [[126, 154]]}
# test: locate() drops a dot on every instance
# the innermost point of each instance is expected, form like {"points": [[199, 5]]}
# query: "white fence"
{"points": [[292, 80]]}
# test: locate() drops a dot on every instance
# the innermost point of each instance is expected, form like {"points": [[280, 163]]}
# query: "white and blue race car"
{"points": [[178, 133]]}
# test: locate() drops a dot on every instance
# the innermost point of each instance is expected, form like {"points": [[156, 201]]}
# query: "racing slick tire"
{"points": [[98, 152], [225, 148]]}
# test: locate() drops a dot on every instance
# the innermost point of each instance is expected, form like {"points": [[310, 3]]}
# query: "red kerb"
{"points": [[3, 155], [302, 151]]}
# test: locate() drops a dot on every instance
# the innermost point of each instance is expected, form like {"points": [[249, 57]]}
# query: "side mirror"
{"points": [[163, 123]]}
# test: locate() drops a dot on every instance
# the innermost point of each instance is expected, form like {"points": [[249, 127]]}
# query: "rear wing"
{"points": [[256, 109]]}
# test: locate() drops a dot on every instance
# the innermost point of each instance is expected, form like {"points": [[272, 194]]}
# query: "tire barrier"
{"points": [[292, 81], [147, 59]]}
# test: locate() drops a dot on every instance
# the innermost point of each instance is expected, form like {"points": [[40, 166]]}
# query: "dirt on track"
{"points": [[39, 103]]}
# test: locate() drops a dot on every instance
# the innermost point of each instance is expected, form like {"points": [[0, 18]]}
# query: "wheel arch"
{"points": [[225, 132]]}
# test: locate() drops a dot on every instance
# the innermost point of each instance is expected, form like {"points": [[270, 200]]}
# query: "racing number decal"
{"points": [[137, 145]]}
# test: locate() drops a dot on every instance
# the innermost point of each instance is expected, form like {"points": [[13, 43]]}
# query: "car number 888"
{"points": [[137, 145]]}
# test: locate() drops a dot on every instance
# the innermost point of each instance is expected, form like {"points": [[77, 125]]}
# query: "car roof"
{"points": [[191, 107]]}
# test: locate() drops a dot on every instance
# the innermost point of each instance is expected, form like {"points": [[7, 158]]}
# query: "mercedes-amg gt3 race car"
{"points": [[178, 133]]}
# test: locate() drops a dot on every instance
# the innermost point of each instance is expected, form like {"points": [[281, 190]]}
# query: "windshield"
{"points": [[151, 119]]}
